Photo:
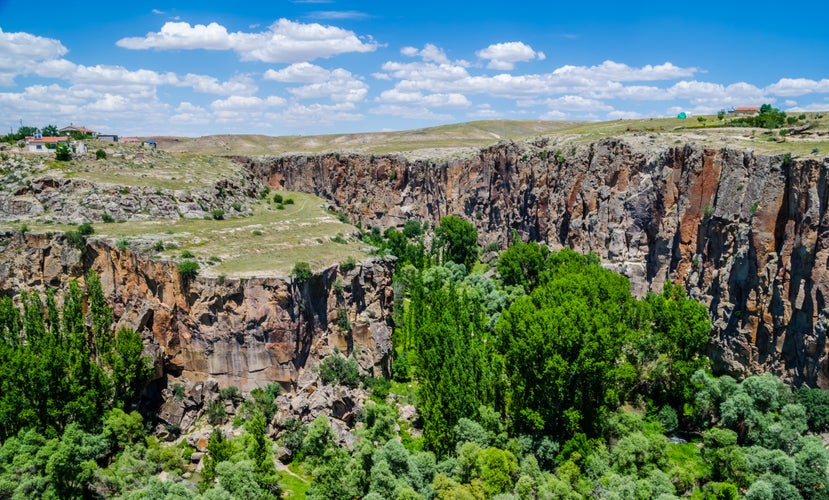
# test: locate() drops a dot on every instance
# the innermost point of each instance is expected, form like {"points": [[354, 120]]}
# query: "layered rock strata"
{"points": [[207, 333], [745, 233]]}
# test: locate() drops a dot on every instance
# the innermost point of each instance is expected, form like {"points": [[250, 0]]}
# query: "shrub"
{"points": [[218, 214], [86, 229], [343, 321], [348, 264], [280, 206], [277, 198], [216, 412], [412, 228], [107, 218], [339, 239], [230, 394], [302, 272], [100, 154], [187, 254], [236, 206], [122, 244], [257, 232], [188, 269], [76, 239], [342, 217], [158, 246], [338, 286], [708, 211], [337, 370], [178, 392], [62, 152], [24, 228]]}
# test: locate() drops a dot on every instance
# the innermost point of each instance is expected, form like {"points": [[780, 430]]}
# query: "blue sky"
{"points": [[315, 67]]}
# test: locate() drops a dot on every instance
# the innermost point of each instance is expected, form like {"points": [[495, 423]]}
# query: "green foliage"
{"points": [[561, 345], [218, 214], [289, 201], [62, 152], [188, 269], [457, 240], [100, 154], [522, 264], [64, 365], [122, 244], [412, 229], [108, 219], [348, 264], [187, 254], [338, 370], [301, 272], [215, 412], [277, 198]]}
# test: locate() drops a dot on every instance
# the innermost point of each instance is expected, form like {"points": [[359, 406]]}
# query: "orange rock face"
{"points": [[746, 234]]}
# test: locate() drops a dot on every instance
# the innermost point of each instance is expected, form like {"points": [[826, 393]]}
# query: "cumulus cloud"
{"points": [[340, 86], [303, 72], [338, 14], [19, 52], [411, 112], [429, 53], [610, 70], [503, 56], [793, 87], [285, 41], [429, 100]]}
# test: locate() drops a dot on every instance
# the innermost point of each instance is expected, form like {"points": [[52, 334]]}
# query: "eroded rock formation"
{"points": [[207, 333], [745, 233]]}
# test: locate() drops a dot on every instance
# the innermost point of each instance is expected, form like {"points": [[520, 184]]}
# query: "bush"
{"points": [[343, 321], [86, 229], [412, 228], [122, 244], [107, 218], [216, 412], [188, 269], [100, 154], [62, 152], [218, 214], [230, 394], [158, 246], [302, 272], [187, 254], [277, 198], [236, 206], [348, 264], [337, 370]]}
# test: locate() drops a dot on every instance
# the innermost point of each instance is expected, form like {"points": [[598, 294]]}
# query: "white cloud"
{"points": [[341, 86], [302, 72], [429, 53], [285, 41], [158, 12], [411, 112], [237, 103], [610, 70], [554, 115], [815, 106], [623, 115], [239, 85], [576, 103], [792, 87], [190, 114], [503, 56], [396, 96], [19, 52]]}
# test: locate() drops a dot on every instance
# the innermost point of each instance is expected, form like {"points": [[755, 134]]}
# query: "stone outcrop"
{"points": [[745, 233], [75, 201], [209, 333]]}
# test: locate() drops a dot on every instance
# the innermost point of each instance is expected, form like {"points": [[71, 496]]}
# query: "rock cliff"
{"points": [[745, 233], [210, 332]]}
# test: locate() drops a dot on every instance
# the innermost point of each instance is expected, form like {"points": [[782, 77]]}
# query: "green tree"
{"points": [[49, 131], [457, 240], [62, 152]]}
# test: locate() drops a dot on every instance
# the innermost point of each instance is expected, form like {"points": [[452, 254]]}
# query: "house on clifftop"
{"points": [[73, 129], [745, 111]]}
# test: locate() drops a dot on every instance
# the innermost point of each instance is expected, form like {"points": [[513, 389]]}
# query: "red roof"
{"points": [[45, 140], [78, 129]]}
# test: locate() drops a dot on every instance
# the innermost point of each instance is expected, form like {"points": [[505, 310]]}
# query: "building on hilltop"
{"points": [[73, 129], [39, 144], [108, 137], [744, 111]]}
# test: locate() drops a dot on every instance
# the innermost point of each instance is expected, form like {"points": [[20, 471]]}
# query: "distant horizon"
{"points": [[321, 67]]}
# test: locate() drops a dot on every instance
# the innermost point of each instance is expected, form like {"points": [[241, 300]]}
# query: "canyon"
{"points": [[744, 233]]}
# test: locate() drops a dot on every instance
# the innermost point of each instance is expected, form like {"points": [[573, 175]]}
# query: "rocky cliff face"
{"points": [[207, 332], [745, 233]]}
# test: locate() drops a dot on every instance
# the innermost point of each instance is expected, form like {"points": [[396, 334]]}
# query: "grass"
{"points": [[295, 483], [267, 243]]}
